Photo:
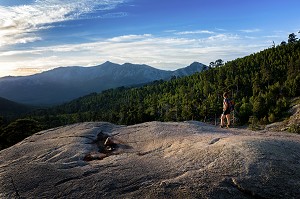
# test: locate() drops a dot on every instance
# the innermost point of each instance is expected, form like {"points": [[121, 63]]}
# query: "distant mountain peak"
{"points": [[66, 83], [196, 64], [192, 68], [108, 63]]}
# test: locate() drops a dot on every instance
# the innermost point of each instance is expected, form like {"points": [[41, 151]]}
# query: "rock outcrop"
{"points": [[152, 160]]}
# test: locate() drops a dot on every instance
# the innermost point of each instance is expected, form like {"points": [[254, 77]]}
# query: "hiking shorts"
{"points": [[226, 112]]}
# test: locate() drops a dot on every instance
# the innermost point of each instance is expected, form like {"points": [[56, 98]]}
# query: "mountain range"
{"points": [[66, 83]]}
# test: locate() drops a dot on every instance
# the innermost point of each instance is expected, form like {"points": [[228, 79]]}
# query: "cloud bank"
{"points": [[20, 24], [166, 53]]}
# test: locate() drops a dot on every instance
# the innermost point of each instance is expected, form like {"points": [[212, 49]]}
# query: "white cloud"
{"points": [[222, 38], [126, 38], [114, 15], [221, 29], [248, 37], [272, 36], [195, 32], [250, 30], [19, 24]]}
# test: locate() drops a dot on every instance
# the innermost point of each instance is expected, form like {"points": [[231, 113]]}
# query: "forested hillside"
{"points": [[11, 109], [261, 85], [12, 131]]}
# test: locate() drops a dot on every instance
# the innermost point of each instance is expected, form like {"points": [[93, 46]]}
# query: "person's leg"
{"points": [[228, 119], [222, 120]]}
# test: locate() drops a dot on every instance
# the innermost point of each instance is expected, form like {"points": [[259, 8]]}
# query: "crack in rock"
{"points": [[246, 191], [66, 180], [213, 141]]}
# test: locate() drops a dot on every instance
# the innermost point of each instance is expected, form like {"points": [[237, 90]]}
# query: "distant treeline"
{"points": [[261, 85]]}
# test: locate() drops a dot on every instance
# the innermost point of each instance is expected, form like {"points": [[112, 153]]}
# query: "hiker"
{"points": [[226, 111]]}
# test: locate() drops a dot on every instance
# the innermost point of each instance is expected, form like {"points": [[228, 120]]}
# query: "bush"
{"points": [[294, 128], [253, 123], [18, 130], [271, 118]]}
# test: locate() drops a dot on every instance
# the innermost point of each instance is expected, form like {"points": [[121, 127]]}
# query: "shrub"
{"points": [[294, 128], [271, 118], [253, 123], [18, 130]]}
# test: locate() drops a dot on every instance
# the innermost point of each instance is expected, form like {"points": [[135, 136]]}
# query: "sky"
{"points": [[39, 35]]}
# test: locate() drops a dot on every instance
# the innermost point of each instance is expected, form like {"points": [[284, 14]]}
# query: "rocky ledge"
{"points": [[152, 160]]}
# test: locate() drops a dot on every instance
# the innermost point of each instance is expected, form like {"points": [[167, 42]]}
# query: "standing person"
{"points": [[226, 111]]}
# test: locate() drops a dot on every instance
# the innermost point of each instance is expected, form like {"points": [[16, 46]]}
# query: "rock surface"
{"points": [[152, 160]]}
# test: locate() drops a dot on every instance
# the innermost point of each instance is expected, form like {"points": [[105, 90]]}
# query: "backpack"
{"points": [[231, 104]]}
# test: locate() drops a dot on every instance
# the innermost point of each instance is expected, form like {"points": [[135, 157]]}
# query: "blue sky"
{"points": [[38, 35]]}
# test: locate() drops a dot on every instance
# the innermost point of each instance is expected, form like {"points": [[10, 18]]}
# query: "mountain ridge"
{"points": [[63, 84]]}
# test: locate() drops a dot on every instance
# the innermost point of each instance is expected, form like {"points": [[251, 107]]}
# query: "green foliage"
{"points": [[292, 38], [219, 62], [244, 112], [253, 123], [283, 43], [12, 110], [18, 130], [260, 84], [2, 122], [294, 128], [271, 118]]}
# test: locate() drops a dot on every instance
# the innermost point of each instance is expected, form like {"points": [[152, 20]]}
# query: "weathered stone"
{"points": [[152, 160]]}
